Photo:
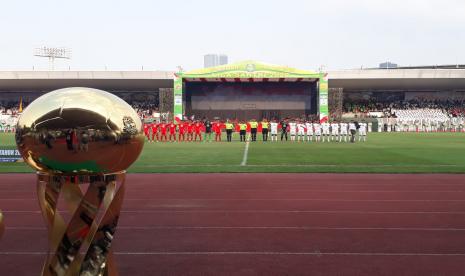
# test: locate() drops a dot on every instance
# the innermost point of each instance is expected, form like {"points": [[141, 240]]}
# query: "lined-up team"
{"points": [[284, 130]]}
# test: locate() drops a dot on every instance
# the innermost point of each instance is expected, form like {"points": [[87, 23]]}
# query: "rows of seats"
{"points": [[421, 114]]}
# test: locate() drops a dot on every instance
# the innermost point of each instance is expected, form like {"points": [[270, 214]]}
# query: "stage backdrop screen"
{"points": [[251, 95]]}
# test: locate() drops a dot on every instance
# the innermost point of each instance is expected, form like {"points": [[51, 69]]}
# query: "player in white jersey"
{"points": [[362, 132], [454, 124], [300, 130], [292, 130], [274, 131], [434, 125], [404, 126], [427, 125], [334, 131], [317, 131], [325, 127], [343, 132], [309, 128]]}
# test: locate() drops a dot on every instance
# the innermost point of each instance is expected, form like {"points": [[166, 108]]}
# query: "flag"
{"points": [[20, 104]]}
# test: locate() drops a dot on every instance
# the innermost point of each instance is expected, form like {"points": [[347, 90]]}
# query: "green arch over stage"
{"points": [[252, 70]]}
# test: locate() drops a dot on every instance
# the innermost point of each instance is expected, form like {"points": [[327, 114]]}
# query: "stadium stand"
{"points": [[450, 107], [412, 115]]}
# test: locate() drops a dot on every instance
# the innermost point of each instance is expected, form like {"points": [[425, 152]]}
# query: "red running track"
{"points": [[265, 224]]}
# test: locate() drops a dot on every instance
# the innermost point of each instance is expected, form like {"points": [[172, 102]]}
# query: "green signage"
{"points": [[178, 107]]}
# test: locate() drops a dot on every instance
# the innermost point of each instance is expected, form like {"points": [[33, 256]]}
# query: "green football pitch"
{"points": [[382, 153]]}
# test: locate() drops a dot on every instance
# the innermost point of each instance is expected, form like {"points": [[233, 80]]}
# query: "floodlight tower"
{"points": [[52, 53]]}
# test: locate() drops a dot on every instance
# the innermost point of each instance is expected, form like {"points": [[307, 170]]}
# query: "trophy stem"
{"points": [[80, 244]]}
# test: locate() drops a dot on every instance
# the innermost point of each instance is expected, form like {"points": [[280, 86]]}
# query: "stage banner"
{"points": [[323, 94], [178, 107], [8, 155], [250, 69]]}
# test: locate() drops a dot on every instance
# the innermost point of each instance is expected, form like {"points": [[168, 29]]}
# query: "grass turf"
{"points": [[382, 153]]}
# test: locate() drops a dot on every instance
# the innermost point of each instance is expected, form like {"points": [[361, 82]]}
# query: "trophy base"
{"points": [[80, 234]]}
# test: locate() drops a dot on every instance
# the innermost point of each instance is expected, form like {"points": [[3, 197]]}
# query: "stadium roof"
{"points": [[383, 79], [443, 66], [50, 80], [399, 79]]}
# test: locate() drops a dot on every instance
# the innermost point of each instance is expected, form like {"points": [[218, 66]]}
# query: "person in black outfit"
{"points": [[208, 130], [48, 140], [284, 127], [69, 139]]}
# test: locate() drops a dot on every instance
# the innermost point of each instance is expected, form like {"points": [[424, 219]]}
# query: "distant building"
{"points": [[211, 60], [223, 59], [387, 65]]}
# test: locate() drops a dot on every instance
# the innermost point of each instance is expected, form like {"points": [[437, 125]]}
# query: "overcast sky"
{"points": [[339, 34]]}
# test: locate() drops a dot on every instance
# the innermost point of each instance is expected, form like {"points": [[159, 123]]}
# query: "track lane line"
{"points": [[316, 253], [266, 228], [257, 211]]}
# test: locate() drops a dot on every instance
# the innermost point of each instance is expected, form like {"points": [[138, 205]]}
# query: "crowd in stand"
{"points": [[145, 109], [417, 115], [454, 108], [9, 108]]}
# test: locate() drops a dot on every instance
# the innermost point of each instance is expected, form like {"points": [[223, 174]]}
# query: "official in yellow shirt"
{"points": [[229, 130], [253, 129], [242, 130], [265, 125]]}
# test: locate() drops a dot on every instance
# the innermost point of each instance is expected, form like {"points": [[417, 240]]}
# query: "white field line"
{"points": [[246, 153], [303, 165], [294, 165]]}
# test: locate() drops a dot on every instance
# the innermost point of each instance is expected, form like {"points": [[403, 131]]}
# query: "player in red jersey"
{"points": [[162, 128], [190, 131], [182, 131], [146, 131], [217, 126], [154, 127], [172, 127], [197, 129]]}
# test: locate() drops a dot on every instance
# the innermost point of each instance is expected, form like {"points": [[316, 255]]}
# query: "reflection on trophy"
{"points": [[80, 141]]}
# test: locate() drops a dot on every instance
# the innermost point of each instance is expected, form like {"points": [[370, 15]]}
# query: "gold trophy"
{"points": [[80, 141]]}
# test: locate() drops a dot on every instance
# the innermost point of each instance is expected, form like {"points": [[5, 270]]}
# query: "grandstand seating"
{"points": [[431, 114]]}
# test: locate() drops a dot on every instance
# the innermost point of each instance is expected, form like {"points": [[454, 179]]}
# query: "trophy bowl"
{"points": [[79, 131]]}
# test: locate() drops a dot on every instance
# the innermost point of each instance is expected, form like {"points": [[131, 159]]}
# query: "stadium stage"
{"points": [[250, 89], [265, 224]]}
